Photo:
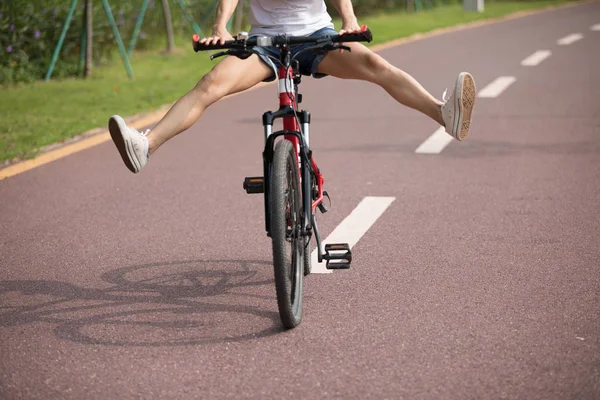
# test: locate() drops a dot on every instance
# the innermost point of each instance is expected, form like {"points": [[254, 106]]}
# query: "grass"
{"points": [[40, 114]]}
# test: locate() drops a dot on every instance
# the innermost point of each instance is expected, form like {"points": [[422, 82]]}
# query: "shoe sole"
{"points": [[122, 143], [465, 102]]}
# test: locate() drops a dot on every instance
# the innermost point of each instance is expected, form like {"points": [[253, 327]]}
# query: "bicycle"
{"points": [[292, 183]]}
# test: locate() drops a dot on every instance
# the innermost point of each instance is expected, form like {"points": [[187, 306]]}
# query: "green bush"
{"points": [[30, 30], [26, 31]]}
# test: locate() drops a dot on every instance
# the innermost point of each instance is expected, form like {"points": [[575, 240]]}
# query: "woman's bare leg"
{"points": [[229, 76], [362, 63]]}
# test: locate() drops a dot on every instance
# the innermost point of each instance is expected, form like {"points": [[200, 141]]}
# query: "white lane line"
{"points": [[496, 88], [353, 227], [595, 27], [572, 38], [536, 58], [435, 143]]}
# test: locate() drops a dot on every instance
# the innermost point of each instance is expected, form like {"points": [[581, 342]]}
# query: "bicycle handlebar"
{"points": [[364, 35]]}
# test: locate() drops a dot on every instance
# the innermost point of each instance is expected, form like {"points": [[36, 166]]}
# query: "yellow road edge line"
{"points": [[102, 137], [73, 148]]}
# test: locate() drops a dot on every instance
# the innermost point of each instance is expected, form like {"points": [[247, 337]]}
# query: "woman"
{"points": [[298, 18]]}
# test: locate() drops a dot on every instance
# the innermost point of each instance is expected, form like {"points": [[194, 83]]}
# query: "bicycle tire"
{"points": [[288, 249], [307, 260]]}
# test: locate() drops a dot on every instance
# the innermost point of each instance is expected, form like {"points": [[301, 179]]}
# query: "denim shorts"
{"points": [[309, 60]]}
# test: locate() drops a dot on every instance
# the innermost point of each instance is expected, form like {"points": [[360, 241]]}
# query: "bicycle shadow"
{"points": [[152, 305]]}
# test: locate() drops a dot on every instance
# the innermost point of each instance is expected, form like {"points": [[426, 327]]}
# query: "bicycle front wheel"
{"points": [[286, 233]]}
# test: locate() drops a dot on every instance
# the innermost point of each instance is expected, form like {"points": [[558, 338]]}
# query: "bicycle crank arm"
{"points": [[338, 255], [317, 238]]}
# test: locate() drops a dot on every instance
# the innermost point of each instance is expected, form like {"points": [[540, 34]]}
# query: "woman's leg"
{"points": [[362, 63], [229, 76]]}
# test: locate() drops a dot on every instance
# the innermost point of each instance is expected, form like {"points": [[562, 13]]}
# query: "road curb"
{"points": [[100, 135]]}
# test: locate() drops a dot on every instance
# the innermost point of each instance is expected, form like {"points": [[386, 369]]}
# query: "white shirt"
{"points": [[292, 17]]}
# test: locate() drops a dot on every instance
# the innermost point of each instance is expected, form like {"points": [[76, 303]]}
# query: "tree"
{"points": [[89, 36], [168, 26]]}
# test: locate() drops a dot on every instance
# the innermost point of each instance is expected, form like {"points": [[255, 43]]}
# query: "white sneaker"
{"points": [[132, 145], [458, 108]]}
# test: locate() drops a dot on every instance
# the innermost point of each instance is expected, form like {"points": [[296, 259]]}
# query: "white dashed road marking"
{"points": [[435, 143], [595, 27], [496, 88], [572, 38], [353, 227], [536, 58]]}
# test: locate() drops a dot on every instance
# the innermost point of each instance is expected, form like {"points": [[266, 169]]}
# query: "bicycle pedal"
{"points": [[254, 184], [338, 256]]}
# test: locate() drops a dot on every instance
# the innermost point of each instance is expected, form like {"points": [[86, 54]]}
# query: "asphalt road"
{"points": [[480, 280]]}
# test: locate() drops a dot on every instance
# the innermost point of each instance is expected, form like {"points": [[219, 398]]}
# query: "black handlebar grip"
{"points": [[202, 46], [364, 35]]}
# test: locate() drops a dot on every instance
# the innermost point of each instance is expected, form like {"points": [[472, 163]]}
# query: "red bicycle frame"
{"points": [[287, 97], [295, 129]]}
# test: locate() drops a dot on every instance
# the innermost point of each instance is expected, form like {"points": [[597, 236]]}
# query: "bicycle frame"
{"points": [[288, 111]]}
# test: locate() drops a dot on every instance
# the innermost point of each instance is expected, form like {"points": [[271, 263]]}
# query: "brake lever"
{"points": [[220, 54], [242, 54], [336, 46], [341, 46], [324, 47]]}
